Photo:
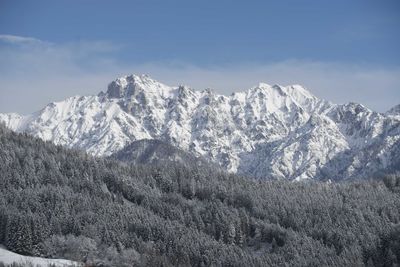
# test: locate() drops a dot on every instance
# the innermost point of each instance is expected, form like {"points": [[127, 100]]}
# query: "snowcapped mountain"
{"points": [[267, 131]]}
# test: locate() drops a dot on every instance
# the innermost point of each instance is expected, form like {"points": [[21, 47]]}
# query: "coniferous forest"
{"points": [[62, 203]]}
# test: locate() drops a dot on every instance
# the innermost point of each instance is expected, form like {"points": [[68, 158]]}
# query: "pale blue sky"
{"points": [[341, 50]]}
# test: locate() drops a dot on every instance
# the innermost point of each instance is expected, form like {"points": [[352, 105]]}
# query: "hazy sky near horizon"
{"points": [[340, 50]]}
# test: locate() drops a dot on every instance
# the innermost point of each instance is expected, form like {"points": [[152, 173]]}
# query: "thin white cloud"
{"points": [[13, 39], [39, 72]]}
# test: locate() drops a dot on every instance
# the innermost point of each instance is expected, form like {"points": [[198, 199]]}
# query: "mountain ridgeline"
{"points": [[62, 203], [267, 132]]}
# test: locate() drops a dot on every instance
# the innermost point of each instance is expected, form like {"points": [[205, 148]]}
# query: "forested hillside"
{"points": [[64, 203], [156, 152]]}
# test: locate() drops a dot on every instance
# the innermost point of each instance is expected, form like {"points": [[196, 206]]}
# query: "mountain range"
{"points": [[266, 132]]}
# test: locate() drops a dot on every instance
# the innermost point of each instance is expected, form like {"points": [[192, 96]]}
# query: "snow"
{"points": [[12, 120], [266, 131], [7, 257]]}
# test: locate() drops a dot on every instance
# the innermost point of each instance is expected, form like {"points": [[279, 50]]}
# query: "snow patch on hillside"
{"points": [[7, 257]]}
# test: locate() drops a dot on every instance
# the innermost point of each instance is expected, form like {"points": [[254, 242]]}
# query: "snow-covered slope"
{"points": [[7, 258], [266, 131]]}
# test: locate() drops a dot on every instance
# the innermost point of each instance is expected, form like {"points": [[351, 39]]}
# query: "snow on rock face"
{"points": [[267, 131], [12, 120]]}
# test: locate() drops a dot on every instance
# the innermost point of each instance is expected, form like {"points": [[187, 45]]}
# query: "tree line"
{"points": [[62, 203]]}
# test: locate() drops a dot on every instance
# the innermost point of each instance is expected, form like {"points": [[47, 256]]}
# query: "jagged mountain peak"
{"points": [[296, 91], [356, 108], [263, 85], [283, 101], [130, 85]]}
